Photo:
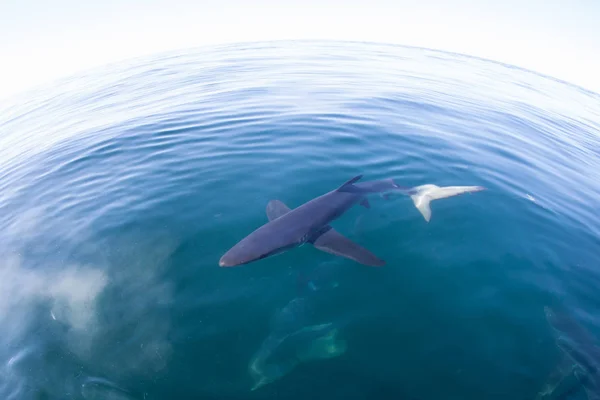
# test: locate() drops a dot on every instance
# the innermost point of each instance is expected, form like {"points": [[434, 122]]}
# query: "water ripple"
{"points": [[120, 189]]}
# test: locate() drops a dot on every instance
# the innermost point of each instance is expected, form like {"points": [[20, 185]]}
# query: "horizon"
{"points": [[43, 45], [216, 46]]}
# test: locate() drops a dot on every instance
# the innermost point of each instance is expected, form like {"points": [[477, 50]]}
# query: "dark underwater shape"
{"points": [[579, 350], [309, 223], [573, 338], [292, 341]]}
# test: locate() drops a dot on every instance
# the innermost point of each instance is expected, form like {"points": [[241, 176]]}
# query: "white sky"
{"points": [[43, 40]]}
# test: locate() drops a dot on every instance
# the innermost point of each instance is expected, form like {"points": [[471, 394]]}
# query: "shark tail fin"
{"points": [[423, 204]]}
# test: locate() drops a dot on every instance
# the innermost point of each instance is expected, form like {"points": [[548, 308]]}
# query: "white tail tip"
{"points": [[422, 202], [424, 194]]}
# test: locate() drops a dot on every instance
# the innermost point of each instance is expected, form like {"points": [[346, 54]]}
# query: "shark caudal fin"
{"points": [[424, 194], [422, 202]]}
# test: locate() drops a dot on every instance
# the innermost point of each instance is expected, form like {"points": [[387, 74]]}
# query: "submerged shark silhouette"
{"points": [[581, 357]]}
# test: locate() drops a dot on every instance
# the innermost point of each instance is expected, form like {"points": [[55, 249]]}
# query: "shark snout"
{"points": [[227, 261], [242, 253]]}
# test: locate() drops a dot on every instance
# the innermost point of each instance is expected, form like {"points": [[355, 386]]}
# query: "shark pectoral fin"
{"points": [[334, 243], [275, 209], [365, 203], [422, 202]]}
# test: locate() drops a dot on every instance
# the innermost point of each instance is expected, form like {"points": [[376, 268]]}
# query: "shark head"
{"points": [[256, 246], [241, 254], [236, 257]]}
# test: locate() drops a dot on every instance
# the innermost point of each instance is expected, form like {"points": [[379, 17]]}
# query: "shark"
{"points": [[310, 223], [293, 341], [580, 358], [423, 195]]}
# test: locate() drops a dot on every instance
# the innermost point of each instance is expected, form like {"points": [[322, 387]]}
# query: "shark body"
{"points": [[309, 223]]}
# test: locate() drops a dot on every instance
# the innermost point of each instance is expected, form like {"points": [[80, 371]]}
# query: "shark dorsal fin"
{"points": [[349, 183], [275, 209]]}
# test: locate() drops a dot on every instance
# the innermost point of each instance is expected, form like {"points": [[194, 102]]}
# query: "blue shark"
{"points": [[309, 223]]}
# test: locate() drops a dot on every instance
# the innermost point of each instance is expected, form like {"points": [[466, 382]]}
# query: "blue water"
{"points": [[121, 188]]}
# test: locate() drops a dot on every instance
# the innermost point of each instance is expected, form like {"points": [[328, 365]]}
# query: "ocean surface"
{"points": [[122, 187]]}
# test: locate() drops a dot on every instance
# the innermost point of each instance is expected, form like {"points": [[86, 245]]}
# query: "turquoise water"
{"points": [[121, 188]]}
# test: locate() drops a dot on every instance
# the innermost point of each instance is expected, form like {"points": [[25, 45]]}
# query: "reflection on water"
{"points": [[81, 312]]}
